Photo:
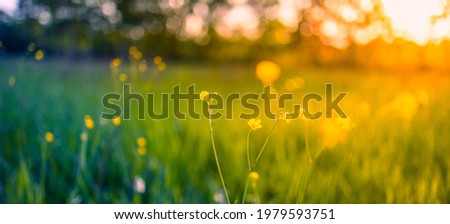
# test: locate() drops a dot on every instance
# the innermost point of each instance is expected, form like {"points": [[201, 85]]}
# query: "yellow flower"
{"points": [[162, 66], [39, 55], [142, 66], [254, 124], [123, 77], [335, 131], [132, 49], [157, 60], [204, 95], [116, 121], [141, 142], [142, 151], [138, 55], [267, 71], [83, 136], [88, 122], [49, 137], [115, 62], [254, 176]]}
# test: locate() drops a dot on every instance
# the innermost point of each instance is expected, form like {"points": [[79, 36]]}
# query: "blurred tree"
{"points": [[226, 29]]}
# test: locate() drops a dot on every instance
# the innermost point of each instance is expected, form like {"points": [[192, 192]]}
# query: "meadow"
{"points": [[55, 148]]}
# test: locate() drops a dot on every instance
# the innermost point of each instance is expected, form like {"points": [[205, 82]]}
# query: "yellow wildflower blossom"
{"points": [[254, 176], [162, 66], [204, 95], [88, 122], [157, 60], [254, 124], [123, 77], [39, 55], [116, 121], [335, 131], [141, 142], [84, 136], [132, 49], [142, 151], [49, 137], [142, 66], [115, 63]]}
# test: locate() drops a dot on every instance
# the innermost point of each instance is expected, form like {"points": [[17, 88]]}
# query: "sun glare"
{"points": [[416, 20]]}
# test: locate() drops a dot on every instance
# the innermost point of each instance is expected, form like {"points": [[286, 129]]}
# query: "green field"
{"points": [[394, 148]]}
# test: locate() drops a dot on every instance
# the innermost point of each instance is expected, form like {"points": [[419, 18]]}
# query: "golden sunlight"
{"points": [[417, 20]]}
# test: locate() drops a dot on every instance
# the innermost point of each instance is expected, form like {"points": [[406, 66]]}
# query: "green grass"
{"points": [[383, 159]]}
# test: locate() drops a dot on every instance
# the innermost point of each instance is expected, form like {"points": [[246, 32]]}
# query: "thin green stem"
{"points": [[216, 157], [248, 150], [310, 169], [83, 151], [246, 188], [82, 164], [305, 184], [255, 193], [310, 161], [264, 146], [337, 174]]}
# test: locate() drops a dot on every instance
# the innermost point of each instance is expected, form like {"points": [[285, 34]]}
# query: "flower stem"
{"points": [[216, 157], [338, 174], [246, 188], [263, 147], [248, 150], [305, 184]]}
